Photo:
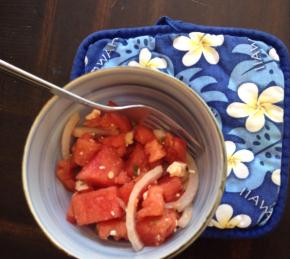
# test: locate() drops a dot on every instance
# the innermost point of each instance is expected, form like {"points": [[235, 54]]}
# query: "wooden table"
{"points": [[42, 37]]}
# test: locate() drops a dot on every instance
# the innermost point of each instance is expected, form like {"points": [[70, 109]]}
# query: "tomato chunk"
{"points": [[137, 160], [118, 142], [153, 204], [172, 187], [64, 173], [175, 148], [143, 134], [85, 149], [154, 150], [96, 206], [153, 231], [115, 228], [125, 190], [102, 169]]}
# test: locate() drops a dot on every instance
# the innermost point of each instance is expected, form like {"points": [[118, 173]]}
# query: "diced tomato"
{"points": [[153, 231], [125, 190], [122, 178], [85, 149], [172, 187], [96, 206], [118, 142], [137, 160], [70, 215], [102, 169], [115, 228], [154, 150], [64, 173], [175, 148], [153, 204], [143, 134]]}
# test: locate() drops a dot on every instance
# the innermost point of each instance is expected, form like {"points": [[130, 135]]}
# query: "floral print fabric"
{"points": [[241, 81]]}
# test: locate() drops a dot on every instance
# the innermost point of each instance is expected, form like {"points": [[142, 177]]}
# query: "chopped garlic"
{"points": [[102, 167], [81, 186], [94, 114], [129, 138], [177, 169], [113, 233], [111, 175], [159, 134], [113, 213]]}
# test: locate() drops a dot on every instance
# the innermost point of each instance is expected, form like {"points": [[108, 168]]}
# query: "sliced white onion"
{"points": [[148, 178], [79, 131], [67, 133], [192, 185], [185, 217]]}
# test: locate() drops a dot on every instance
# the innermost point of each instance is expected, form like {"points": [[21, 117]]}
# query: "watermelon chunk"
{"points": [[64, 173], [175, 149], [125, 190], [118, 142], [115, 228], [143, 134], [96, 206], [153, 231], [85, 149], [122, 178], [102, 169], [153, 204], [137, 160], [70, 217], [154, 150], [172, 187]]}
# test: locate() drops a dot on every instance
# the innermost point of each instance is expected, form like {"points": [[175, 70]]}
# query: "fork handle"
{"points": [[54, 89]]}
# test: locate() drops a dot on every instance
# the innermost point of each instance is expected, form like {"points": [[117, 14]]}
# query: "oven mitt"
{"points": [[243, 76]]}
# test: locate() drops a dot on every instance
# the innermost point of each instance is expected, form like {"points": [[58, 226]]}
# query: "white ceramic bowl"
{"points": [[48, 200]]}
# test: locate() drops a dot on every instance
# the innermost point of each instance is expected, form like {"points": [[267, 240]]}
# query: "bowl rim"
{"points": [[103, 72]]}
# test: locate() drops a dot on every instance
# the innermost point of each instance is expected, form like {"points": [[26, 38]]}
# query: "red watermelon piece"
{"points": [[96, 206], [115, 228], [153, 231], [153, 204], [102, 169]]}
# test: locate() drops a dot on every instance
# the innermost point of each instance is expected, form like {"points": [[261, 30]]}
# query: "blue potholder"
{"points": [[242, 75]]}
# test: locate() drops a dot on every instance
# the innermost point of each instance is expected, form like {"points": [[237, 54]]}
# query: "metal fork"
{"points": [[149, 116]]}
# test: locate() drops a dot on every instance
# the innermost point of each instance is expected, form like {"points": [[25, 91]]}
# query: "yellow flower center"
{"points": [[232, 161]]}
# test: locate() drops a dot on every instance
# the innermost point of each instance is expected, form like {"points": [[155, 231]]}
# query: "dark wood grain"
{"points": [[42, 37]]}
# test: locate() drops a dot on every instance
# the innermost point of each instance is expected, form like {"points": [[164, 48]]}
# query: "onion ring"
{"points": [[192, 185], [67, 133], [147, 178]]}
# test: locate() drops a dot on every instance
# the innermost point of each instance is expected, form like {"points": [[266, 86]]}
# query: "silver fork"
{"points": [[149, 116]]}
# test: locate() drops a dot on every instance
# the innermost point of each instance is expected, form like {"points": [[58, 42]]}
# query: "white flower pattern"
{"points": [[145, 61], [224, 218], [198, 44], [276, 177], [273, 54], [235, 160], [255, 106]]}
